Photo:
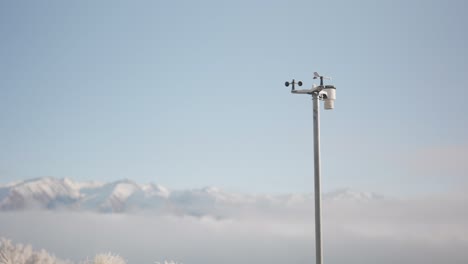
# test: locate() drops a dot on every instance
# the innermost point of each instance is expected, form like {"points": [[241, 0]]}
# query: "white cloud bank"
{"points": [[424, 230]]}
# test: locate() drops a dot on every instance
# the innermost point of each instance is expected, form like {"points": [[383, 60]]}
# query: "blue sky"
{"points": [[190, 93]]}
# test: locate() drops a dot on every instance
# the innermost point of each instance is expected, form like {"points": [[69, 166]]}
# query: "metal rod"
{"points": [[318, 200]]}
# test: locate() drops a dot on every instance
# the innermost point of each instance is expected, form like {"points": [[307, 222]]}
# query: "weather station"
{"points": [[326, 93]]}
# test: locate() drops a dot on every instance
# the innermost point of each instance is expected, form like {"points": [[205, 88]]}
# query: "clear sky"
{"points": [[191, 93]]}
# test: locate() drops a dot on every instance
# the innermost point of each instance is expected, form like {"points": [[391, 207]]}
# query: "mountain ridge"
{"points": [[48, 193]]}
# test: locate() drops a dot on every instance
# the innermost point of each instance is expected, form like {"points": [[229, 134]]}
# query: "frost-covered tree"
{"points": [[12, 254], [107, 259], [24, 254]]}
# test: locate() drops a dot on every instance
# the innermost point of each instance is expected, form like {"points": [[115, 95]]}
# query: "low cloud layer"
{"points": [[421, 230]]}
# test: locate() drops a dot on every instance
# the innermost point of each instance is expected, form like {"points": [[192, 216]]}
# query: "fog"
{"points": [[420, 230]]}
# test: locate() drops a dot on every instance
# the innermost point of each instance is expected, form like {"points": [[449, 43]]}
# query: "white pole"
{"points": [[318, 200], [315, 91]]}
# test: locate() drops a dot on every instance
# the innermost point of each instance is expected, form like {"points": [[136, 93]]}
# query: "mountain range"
{"points": [[121, 196]]}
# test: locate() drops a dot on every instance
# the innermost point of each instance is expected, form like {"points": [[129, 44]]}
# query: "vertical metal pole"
{"points": [[318, 200]]}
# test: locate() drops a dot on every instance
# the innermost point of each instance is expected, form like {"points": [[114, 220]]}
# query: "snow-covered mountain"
{"points": [[127, 196], [354, 196]]}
